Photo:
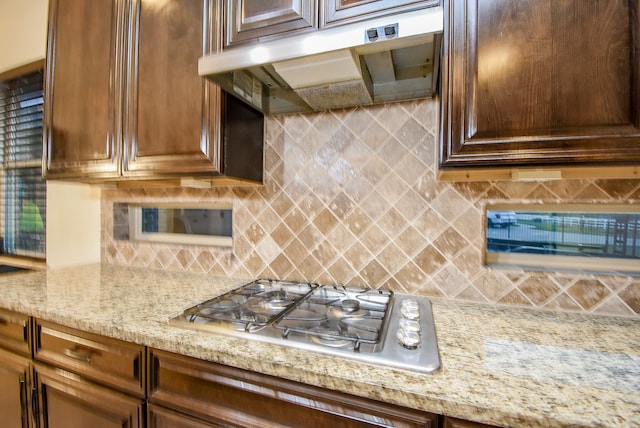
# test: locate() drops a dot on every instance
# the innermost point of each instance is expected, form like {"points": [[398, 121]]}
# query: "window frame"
{"points": [[608, 265], [7, 166], [136, 233]]}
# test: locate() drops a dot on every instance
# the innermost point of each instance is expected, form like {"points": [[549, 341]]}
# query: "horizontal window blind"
{"points": [[23, 214]]}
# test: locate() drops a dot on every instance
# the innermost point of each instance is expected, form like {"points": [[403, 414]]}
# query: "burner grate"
{"points": [[339, 316], [251, 306]]}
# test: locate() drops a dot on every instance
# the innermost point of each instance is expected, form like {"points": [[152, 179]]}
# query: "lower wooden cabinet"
{"points": [[160, 417], [66, 400], [80, 380], [458, 423], [85, 380], [230, 397], [110, 362], [15, 386]]}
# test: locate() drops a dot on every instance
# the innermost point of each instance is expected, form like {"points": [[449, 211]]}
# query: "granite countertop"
{"points": [[501, 366]]}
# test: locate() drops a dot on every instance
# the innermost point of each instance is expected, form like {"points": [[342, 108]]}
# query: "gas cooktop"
{"points": [[367, 324]]}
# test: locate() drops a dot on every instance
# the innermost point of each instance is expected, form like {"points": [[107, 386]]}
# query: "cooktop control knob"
{"points": [[409, 330], [410, 310], [408, 339], [409, 325]]}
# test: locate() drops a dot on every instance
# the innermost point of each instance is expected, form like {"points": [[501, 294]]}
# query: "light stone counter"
{"points": [[500, 366]]}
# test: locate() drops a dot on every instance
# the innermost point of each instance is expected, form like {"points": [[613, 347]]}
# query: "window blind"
{"points": [[23, 214]]}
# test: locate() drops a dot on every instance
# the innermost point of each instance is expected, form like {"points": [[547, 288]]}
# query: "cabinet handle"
{"points": [[23, 401], [35, 408], [79, 354]]}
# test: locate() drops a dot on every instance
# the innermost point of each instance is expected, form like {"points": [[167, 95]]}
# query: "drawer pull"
{"points": [[79, 354]]}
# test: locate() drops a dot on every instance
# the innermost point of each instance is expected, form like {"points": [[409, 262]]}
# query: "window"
{"points": [[601, 238], [196, 224], [23, 191]]}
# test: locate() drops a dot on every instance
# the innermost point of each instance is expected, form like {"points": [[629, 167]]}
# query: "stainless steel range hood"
{"points": [[388, 59]]}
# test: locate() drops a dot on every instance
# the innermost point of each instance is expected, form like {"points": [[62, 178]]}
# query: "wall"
{"points": [[17, 46], [352, 197], [73, 210], [73, 224]]}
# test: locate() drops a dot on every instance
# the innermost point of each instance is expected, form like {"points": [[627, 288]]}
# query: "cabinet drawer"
{"points": [[232, 397], [105, 360], [15, 332]]}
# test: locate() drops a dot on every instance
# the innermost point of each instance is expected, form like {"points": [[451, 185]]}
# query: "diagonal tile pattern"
{"points": [[351, 196]]}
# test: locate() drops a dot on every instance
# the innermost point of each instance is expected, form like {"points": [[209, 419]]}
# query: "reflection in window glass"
{"points": [[516, 235], [193, 224], [187, 220]]}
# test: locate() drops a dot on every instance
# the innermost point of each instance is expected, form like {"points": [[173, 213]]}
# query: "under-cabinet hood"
{"points": [[388, 59]]}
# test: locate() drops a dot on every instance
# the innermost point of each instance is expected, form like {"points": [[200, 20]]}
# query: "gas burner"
{"points": [[365, 324], [350, 306], [331, 341], [250, 307]]}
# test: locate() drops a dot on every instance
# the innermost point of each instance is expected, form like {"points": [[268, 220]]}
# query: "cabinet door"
{"points": [[14, 384], [173, 118], [457, 423], [255, 20], [530, 83], [346, 11], [159, 417], [83, 89], [68, 401]]}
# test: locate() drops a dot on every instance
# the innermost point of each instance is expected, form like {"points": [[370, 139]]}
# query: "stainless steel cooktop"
{"points": [[366, 324]]}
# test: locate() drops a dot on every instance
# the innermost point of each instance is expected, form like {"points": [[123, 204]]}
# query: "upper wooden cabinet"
{"points": [[528, 83], [335, 12], [256, 20], [253, 20], [84, 88], [124, 99]]}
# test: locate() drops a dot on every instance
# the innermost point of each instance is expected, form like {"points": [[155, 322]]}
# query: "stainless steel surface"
{"points": [[369, 325], [304, 72]]}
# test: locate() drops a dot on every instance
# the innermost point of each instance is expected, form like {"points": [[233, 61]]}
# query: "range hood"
{"points": [[388, 59]]}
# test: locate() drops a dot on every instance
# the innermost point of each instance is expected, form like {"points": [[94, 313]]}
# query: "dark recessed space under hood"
{"points": [[340, 67]]}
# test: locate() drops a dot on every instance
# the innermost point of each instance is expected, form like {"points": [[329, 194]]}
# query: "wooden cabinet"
{"points": [[457, 423], [66, 400], [259, 20], [15, 388], [84, 88], [115, 363], [15, 332], [256, 20], [530, 83], [87, 380], [335, 12], [219, 395], [160, 417], [124, 100], [15, 369]]}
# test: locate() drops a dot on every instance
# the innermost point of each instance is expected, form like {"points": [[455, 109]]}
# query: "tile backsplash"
{"points": [[352, 197]]}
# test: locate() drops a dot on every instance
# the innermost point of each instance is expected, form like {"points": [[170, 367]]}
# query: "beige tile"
{"points": [[631, 296], [353, 196], [430, 260], [539, 290], [588, 293], [450, 243]]}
